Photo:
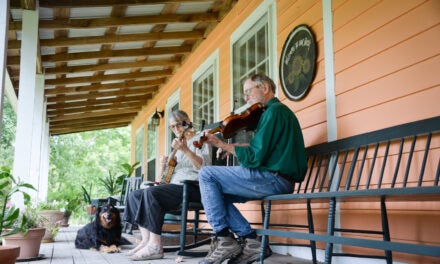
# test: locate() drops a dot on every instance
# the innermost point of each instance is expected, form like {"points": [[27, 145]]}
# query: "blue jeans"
{"points": [[221, 186]]}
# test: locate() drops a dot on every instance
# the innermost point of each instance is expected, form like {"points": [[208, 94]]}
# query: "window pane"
{"points": [[203, 99], [250, 55], [139, 145]]}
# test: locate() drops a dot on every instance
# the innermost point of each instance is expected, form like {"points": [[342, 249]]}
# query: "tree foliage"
{"points": [[7, 138], [84, 158]]}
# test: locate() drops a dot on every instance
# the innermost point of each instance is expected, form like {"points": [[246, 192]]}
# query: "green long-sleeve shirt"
{"points": [[277, 145]]}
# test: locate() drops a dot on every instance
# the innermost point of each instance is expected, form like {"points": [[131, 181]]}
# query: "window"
{"points": [[253, 49], [139, 146], [151, 153], [205, 92]]}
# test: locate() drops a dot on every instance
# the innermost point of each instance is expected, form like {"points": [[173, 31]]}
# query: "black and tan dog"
{"points": [[104, 233]]}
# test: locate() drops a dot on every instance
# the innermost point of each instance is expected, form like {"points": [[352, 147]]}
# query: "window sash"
{"points": [[251, 54]]}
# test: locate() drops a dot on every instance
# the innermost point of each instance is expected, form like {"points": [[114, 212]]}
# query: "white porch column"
{"points": [[4, 24], [37, 135], [330, 84], [26, 101], [44, 158]]}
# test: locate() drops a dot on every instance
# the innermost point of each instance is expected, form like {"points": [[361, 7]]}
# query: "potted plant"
{"points": [[112, 183], [70, 206], [91, 210], [12, 223], [30, 238], [51, 212]]}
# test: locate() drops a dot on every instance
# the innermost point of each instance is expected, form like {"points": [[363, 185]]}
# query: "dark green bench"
{"points": [[393, 164]]}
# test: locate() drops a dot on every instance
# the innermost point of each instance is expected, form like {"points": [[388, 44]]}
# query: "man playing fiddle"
{"points": [[269, 164]]}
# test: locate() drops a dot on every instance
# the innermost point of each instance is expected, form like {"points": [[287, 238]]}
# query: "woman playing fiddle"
{"points": [[147, 207]]}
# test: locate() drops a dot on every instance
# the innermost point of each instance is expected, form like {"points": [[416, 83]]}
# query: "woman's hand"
{"points": [[179, 144]]}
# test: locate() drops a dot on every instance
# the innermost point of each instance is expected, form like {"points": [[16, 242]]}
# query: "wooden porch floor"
{"points": [[63, 251]]}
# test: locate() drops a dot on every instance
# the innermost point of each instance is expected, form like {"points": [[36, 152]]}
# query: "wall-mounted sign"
{"points": [[297, 62]]}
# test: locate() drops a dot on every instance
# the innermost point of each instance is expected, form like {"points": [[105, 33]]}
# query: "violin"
{"points": [[172, 163], [248, 120]]}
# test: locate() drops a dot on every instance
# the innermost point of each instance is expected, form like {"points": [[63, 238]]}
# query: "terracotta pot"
{"points": [[65, 221], [54, 219], [91, 210], [29, 244], [8, 254]]}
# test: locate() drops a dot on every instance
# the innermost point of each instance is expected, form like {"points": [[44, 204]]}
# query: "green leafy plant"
{"points": [[50, 205], [9, 214], [86, 195], [33, 219], [72, 204], [112, 183], [128, 168]]}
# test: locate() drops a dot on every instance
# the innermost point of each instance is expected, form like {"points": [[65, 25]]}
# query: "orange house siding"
{"points": [[386, 68]]}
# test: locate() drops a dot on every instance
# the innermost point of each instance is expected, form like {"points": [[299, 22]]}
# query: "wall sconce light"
{"points": [[155, 119]]}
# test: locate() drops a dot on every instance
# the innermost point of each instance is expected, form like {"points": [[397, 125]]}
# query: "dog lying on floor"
{"points": [[104, 233]]}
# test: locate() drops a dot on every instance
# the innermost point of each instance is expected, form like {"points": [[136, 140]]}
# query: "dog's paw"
{"points": [[110, 249], [114, 249]]}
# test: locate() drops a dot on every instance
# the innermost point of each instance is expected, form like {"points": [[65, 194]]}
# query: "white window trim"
{"points": [[212, 60], [171, 101], [267, 7], [143, 144]]}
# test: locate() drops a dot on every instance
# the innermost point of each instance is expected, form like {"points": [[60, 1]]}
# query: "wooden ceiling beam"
{"points": [[102, 87], [60, 57], [112, 39], [97, 3], [112, 66], [107, 54], [142, 98], [92, 121], [56, 114], [65, 129], [22, 4], [101, 114], [120, 105], [109, 77], [126, 21], [93, 95]]}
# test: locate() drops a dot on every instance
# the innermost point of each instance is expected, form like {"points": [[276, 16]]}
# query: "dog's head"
{"points": [[108, 217]]}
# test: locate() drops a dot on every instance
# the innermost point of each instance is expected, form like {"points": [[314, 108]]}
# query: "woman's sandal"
{"points": [[140, 246], [147, 253]]}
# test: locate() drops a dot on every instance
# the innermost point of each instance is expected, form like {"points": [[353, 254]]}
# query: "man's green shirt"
{"points": [[278, 144]]}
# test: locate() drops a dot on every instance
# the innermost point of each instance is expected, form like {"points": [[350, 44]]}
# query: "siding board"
{"points": [[388, 88], [416, 106], [386, 37]]}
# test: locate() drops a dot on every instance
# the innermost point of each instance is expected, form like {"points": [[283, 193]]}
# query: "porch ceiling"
{"points": [[103, 60]]}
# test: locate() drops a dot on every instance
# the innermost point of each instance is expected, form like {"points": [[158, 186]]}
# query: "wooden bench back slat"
{"points": [[411, 153], [351, 171], [361, 169], [437, 175], [425, 157], [399, 159], [327, 165]]}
